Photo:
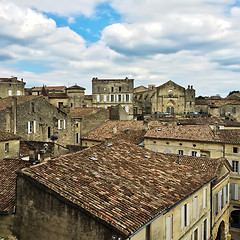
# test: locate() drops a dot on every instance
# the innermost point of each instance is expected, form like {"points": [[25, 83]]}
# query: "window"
{"points": [[105, 98], [61, 124], [219, 197], [215, 205], [184, 215], [234, 191], [31, 127], [112, 98], [32, 107], [234, 110], [119, 98], [169, 227], [235, 150], [205, 229], [60, 104], [77, 138], [148, 232], [119, 89], [18, 92], [98, 98], [49, 132], [195, 207], [194, 153], [9, 92], [204, 198], [112, 89], [235, 165], [167, 151], [127, 89], [104, 89], [98, 89], [195, 235], [224, 196], [127, 98], [180, 152], [127, 109], [6, 147]]}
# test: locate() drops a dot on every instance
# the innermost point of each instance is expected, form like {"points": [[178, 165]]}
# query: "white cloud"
{"points": [[71, 20]]}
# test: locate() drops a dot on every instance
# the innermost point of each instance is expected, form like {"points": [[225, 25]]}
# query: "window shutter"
{"points": [[127, 109], [187, 214], [189, 153], [182, 217], [214, 206], [64, 124], [169, 228], [202, 230], [236, 192], [129, 98], [219, 200], [29, 127], [207, 227], [204, 197], [34, 126], [184, 152], [228, 192], [59, 124], [224, 195], [195, 207], [198, 154]]}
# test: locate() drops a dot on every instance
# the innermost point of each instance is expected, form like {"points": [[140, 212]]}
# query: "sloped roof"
{"points": [[11, 80], [7, 102], [123, 184], [75, 87], [83, 111], [87, 97], [8, 169], [202, 133], [111, 127], [6, 136], [50, 88]]}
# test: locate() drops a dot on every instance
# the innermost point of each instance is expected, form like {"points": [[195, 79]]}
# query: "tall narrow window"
{"points": [[119, 98], [112, 98], [49, 132], [235, 165], [234, 191], [219, 200], [180, 152], [194, 153], [105, 98], [204, 198], [120, 89], [112, 89], [127, 109], [195, 234], [9, 92], [184, 215], [205, 229], [127, 98], [98, 98], [6, 147], [195, 207], [18, 92]]}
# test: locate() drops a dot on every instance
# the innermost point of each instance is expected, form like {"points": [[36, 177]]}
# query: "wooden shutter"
{"points": [[29, 127], [182, 217], [219, 200], [228, 197], [34, 126], [59, 124], [187, 214], [169, 225], [204, 197], [64, 124], [214, 205], [224, 195], [236, 191]]}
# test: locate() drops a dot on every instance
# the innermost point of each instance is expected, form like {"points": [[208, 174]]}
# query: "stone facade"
{"points": [[76, 96], [11, 87], [35, 119], [169, 98], [110, 92]]}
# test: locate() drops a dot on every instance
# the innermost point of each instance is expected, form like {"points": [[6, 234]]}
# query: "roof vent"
{"points": [[108, 141], [127, 130], [93, 158], [146, 156], [159, 129]]}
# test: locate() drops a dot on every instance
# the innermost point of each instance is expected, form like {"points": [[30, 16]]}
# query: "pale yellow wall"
{"points": [[14, 146], [55, 101], [158, 227], [216, 150]]}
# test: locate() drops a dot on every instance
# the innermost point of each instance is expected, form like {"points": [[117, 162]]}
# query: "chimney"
{"points": [[14, 114], [108, 141], [178, 160], [115, 130], [216, 128]]}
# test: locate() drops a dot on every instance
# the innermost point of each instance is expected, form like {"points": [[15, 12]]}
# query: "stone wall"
{"points": [[6, 222], [43, 214], [13, 152]]}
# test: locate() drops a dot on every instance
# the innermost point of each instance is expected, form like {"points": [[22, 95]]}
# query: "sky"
{"points": [[67, 42]]}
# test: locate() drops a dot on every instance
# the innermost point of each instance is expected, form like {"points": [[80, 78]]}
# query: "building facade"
{"points": [[11, 87], [110, 92]]}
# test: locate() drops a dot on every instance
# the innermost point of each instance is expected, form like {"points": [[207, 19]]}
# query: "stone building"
{"points": [[11, 87], [8, 169], [87, 101], [110, 92], [117, 190], [35, 119], [9, 145], [202, 140], [169, 98], [87, 119]]}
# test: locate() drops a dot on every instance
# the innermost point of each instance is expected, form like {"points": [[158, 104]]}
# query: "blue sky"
{"points": [[71, 41]]}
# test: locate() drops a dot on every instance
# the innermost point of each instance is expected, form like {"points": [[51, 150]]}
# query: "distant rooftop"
{"points": [[83, 111]]}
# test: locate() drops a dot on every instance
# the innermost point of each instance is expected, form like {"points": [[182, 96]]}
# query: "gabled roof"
{"points": [[112, 127], [170, 82], [75, 87], [124, 185], [83, 111], [8, 169], [6, 136], [11, 80], [7, 102]]}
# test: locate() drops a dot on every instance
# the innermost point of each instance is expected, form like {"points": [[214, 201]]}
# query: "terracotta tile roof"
{"points": [[75, 87], [186, 132], [82, 112], [201, 133], [87, 97], [6, 136], [209, 120], [56, 88], [8, 169], [131, 136], [123, 184], [12, 80], [57, 95], [7, 102], [217, 102], [112, 127]]}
